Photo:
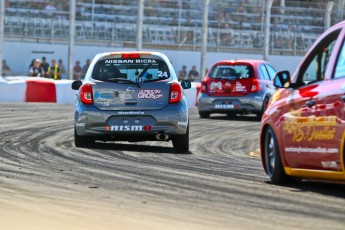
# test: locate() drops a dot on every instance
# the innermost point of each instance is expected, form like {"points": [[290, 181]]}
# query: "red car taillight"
{"points": [[203, 86], [130, 56], [86, 94], [255, 86], [175, 93]]}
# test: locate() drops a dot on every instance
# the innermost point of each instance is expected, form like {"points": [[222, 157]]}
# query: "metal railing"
{"points": [[173, 24]]}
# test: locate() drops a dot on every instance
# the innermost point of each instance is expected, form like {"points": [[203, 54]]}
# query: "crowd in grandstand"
{"points": [[232, 23]]}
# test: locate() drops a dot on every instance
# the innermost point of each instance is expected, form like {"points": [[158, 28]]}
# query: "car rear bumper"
{"points": [[251, 103], [171, 120]]}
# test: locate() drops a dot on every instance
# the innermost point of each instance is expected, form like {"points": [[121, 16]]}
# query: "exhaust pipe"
{"points": [[162, 136]]}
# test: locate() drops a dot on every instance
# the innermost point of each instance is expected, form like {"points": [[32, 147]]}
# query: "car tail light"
{"points": [[175, 93], [204, 86], [130, 56], [86, 94], [255, 86]]}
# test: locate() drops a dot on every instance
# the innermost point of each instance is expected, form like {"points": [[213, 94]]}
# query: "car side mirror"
{"points": [[76, 84], [282, 79], [186, 84]]}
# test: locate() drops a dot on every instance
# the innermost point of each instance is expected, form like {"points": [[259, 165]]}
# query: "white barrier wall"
{"points": [[64, 93], [12, 91], [28, 89]]}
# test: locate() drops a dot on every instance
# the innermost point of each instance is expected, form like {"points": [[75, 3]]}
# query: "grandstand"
{"points": [[234, 25]]}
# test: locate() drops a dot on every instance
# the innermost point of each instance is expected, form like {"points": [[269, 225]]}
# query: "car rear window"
{"points": [[136, 70], [232, 72]]}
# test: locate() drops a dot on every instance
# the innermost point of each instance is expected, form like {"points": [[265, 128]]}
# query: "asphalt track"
{"points": [[146, 185]]}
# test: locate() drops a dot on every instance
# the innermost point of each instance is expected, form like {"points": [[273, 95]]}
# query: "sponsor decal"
{"points": [[224, 106], [82, 117], [215, 85], [128, 128], [103, 95], [329, 164], [240, 87], [130, 113], [311, 150], [150, 94], [103, 102], [130, 89], [163, 74], [311, 128], [130, 61], [80, 124], [183, 123]]}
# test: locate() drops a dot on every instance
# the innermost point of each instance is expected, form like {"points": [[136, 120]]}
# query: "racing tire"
{"points": [[231, 115], [181, 142], [263, 109], [204, 114], [82, 141], [272, 159]]}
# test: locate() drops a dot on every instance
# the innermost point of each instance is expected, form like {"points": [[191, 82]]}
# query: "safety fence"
{"points": [[174, 24]]}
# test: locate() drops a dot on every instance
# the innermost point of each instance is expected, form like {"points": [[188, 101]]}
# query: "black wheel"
{"points": [[272, 159], [263, 109], [82, 141], [181, 142], [204, 114]]}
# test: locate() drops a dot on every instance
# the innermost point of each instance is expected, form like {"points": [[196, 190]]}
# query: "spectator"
{"points": [[44, 64], [80, 9], [182, 74], [77, 71], [85, 68], [241, 9], [193, 74], [62, 69], [50, 8], [53, 71], [32, 63], [36, 70], [231, 8], [5, 68]]}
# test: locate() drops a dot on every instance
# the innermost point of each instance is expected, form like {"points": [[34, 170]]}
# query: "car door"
{"points": [[268, 73], [333, 97], [310, 127]]}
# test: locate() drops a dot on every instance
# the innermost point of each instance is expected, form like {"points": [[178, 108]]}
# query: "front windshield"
{"points": [[231, 72], [135, 70]]}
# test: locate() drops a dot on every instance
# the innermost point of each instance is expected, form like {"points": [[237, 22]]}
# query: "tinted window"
{"points": [[264, 73], [271, 71], [137, 70], [340, 68], [231, 72], [315, 67]]}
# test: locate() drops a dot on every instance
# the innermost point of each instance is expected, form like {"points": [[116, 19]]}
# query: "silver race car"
{"points": [[236, 87], [131, 96]]}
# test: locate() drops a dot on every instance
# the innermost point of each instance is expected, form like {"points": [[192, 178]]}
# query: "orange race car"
{"points": [[303, 128]]}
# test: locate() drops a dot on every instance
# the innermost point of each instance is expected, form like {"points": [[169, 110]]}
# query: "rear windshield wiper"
{"points": [[144, 71], [123, 81]]}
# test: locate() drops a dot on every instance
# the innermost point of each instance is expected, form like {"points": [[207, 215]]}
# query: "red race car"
{"points": [[236, 87], [303, 128]]}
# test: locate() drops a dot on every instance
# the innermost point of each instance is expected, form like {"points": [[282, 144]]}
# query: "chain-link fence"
{"points": [[233, 25]]}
